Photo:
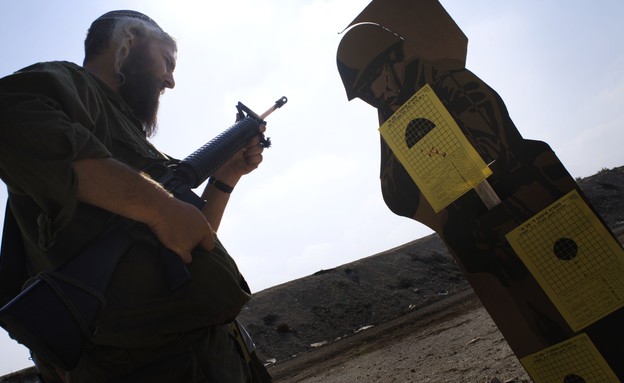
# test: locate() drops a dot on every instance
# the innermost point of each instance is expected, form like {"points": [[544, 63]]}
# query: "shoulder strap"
{"points": [[13, 271]]}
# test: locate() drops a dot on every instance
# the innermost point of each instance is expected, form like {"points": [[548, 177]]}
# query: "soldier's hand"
{"points": [[243, 162], [181, 227]]}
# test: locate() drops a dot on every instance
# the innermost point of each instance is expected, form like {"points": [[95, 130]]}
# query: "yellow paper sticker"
{"points": [[574, 360], [574, 258], [432, 148]]}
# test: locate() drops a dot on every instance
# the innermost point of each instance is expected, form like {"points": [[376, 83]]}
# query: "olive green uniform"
{"points": [[52, 114]]}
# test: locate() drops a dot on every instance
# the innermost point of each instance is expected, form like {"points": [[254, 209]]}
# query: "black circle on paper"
{"points": [[416, 130], [573, 378], [565, 249]]}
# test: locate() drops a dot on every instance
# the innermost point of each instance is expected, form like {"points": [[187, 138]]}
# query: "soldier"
{"points": [[389, 78], [73, 142], [393, 51]]}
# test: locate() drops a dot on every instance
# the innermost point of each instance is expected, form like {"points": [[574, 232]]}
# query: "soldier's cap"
{"points": [[127, 13]]}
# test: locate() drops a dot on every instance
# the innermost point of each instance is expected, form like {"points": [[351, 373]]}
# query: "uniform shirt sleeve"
{"points": [[46, 122]]}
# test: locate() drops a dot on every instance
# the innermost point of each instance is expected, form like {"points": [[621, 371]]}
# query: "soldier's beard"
{"points": [[140, 89]]}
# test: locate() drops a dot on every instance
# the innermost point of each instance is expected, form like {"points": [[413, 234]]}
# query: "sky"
{"points": [[315, 203]]}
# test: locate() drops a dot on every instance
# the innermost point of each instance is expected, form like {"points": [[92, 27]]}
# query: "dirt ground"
{"points": [[453, 340]]}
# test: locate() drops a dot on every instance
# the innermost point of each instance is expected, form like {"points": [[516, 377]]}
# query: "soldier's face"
{"points": [[387, 86], [147, 71], [383, 80]]}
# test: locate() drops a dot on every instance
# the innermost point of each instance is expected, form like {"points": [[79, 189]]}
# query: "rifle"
{"points": [[196, 168], [70, 296]]}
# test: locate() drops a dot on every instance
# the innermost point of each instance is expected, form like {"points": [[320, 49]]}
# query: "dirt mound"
{"points": [[329, 305]]}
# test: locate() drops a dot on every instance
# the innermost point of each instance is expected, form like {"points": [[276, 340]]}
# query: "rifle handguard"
{"points": [[201, 164]]}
